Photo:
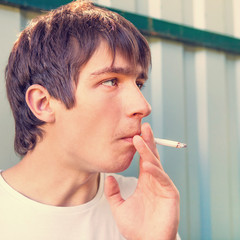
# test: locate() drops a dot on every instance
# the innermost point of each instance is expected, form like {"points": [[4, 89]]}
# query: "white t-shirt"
{"points": [[22, 218]]}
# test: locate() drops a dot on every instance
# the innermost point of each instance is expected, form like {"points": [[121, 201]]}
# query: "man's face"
{"points": [[96, 134]]}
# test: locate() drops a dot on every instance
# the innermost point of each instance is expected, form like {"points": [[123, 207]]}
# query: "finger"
{"points": [[112, 192], [148, 137], [158, 174], [166, 188], [145, 152]]}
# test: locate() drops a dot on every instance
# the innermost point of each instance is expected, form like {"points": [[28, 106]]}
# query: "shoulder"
{"points": [[127, 184]]}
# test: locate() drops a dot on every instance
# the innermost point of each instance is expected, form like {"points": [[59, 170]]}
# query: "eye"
{"points": [[111, 82], [140, 84]]}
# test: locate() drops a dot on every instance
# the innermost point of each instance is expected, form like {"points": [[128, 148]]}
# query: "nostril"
{"points": [[138, 114]]}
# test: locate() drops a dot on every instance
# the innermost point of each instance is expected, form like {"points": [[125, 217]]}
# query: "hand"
{"points": [[152, 212]]}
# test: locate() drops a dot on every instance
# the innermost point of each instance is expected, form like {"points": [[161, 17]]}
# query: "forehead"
{"points": [[104, 60]]}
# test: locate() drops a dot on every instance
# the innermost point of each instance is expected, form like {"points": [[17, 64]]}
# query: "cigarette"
{"points": [[170, 143]]}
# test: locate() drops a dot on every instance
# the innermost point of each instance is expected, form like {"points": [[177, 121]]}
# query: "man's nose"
{"points": [[135, 103]]}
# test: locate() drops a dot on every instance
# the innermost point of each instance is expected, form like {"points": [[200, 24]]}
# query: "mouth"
{"points": [[129, 138]]}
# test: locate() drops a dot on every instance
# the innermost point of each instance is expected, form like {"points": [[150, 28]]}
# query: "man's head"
{"points": [[51, 52]]}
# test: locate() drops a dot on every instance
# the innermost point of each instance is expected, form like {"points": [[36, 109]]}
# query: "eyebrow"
{"points": [[120, 70]]}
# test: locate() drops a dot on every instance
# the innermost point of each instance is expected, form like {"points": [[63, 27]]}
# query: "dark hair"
{"points": [[51, 52]]}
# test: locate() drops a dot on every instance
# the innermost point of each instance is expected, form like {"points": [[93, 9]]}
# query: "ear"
{"points": [[39, 101]]}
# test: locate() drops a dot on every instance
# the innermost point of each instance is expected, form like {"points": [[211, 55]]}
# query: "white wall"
{"points": [[195, 96]]}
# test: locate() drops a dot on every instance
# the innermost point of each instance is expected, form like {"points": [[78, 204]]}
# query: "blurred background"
{"points": [[194, 90]]}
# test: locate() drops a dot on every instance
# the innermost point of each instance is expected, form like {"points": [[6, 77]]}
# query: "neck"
{"points": [[45, 180]]}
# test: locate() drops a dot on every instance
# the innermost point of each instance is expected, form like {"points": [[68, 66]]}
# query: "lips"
{"points": [[129, 137]]}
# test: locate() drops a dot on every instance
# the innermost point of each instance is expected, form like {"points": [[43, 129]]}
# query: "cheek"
{"points": [[97, 119], [103, 112]]}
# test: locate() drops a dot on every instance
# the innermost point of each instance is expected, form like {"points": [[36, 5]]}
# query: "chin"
{"points": [[121, 164]]}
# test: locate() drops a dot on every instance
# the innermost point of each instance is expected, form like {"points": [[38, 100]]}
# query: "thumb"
{"points": [[112, 192]]}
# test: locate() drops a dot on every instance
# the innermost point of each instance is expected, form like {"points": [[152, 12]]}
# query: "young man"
{"points": [[73, 82]]}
